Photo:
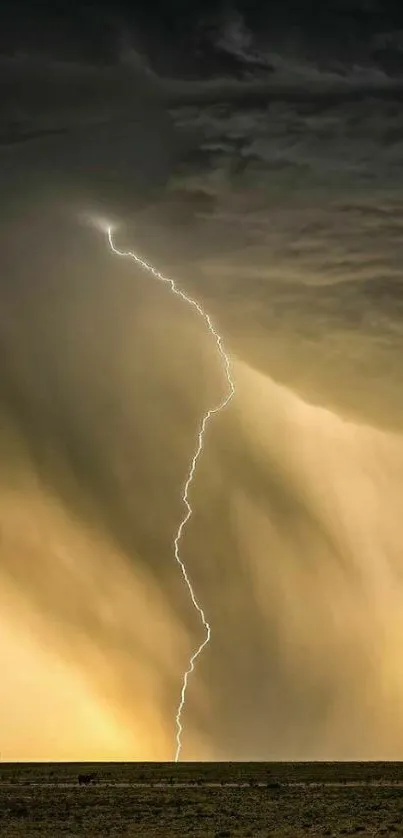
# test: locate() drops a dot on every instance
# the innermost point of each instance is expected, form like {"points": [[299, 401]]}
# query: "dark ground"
{"points": [[209, 799]]}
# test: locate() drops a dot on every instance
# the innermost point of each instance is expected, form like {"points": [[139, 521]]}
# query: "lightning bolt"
{"points": [[191, 473]]}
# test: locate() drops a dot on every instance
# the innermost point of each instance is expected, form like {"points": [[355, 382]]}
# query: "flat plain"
{"points": [[203, 800]]}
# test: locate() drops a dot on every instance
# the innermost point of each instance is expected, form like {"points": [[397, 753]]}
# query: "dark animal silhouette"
{"points": [[85, 779]]}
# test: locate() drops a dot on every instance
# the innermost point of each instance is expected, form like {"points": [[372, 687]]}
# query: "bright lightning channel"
{"points": [[185, 497]]}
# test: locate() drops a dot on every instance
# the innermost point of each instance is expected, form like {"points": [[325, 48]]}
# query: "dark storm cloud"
{"points": [[300, 254], [68, 129], [43, 94]]}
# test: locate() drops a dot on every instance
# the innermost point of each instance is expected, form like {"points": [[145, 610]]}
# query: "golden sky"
{"points": [[294, 549]]}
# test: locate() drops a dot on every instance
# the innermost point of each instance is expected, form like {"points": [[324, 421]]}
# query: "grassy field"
{"points": [[216, 800]]}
